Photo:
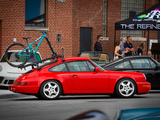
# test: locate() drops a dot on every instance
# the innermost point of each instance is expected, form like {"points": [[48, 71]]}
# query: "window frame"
{"points": [[45, 28]]}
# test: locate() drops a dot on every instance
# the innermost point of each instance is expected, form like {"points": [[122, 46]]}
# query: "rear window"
{"points": [[33, 59]]}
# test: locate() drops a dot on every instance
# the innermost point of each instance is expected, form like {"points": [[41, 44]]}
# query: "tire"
{"points": [[50, 90], [13, 59], [38, 96], [125, 88]]}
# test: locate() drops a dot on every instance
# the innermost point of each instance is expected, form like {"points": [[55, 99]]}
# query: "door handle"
{"points": [[74, 75]]}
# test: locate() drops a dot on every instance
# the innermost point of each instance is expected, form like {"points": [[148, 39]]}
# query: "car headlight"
{"points": [[1, 68]]}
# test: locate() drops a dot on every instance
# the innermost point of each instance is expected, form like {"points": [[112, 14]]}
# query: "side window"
{"points": [[78, 66], [35, 13], [123, 65], [91, 67], [59, 68], [141, 63], [153, 65]]}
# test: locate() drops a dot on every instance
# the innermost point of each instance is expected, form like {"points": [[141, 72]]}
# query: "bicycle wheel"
{"points": [[12, 57]]}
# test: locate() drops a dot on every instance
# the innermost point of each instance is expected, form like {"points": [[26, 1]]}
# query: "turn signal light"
{"points": [[20, 83], [148, 86]]}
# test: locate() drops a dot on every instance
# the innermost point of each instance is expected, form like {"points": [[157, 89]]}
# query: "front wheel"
{"points": [[12, 57], [50, 89], [125, 88]]}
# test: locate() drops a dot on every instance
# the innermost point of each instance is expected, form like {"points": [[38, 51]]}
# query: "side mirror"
{"points": [[157, 67], [97, 69]]}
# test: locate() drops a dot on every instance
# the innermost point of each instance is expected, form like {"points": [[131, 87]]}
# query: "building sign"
{"points": [[147, 20], [140, 26], [35, 13]]}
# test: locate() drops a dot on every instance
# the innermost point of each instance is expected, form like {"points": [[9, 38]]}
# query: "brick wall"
{"points": [[113, 15], [59, 21], [86, 13], [64, 18], [11, 15]]}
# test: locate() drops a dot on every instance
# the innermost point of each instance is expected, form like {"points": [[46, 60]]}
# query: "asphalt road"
{"points": [[14, 106]]}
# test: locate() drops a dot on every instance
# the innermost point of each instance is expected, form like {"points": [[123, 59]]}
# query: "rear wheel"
{"points": [[125, 88], [50, 89], [12, 58]]}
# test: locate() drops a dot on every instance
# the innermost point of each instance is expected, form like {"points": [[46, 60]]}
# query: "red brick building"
{"points": [[70, 19]]}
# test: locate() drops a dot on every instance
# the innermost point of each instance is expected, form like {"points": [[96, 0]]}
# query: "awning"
{"points": [[146, 20]]}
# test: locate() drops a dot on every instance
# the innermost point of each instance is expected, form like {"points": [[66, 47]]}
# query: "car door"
{"points": [[147, 66], [84, 77]]}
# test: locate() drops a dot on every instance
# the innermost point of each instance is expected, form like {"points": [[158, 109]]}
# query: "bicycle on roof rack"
{"points": [[23, 53]]}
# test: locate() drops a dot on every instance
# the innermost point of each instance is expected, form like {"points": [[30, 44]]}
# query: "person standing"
{"points": [[118, 51], [98, 46], [140, 49], [128, 46], [123, 40]]}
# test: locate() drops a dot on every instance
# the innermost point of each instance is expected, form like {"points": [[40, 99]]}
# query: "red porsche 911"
{"points": [[78, 75]]}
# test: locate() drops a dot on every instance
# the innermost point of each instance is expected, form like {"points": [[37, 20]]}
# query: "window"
{"points": [[91, 67], [104, 18], [59, 68], [141, 63], [11, 57], [78, 66], [35, 13], [152, 63], [131, 5], [123, 65]]}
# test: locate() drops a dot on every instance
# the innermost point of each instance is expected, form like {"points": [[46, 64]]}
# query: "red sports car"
{"points": [[78, 75]]}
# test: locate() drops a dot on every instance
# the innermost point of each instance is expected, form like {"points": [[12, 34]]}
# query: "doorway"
{"points": [[85, 39]]}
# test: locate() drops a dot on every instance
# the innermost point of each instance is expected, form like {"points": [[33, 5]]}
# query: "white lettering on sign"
{"points": [[148, 26], [129, 26], [140, 26]]}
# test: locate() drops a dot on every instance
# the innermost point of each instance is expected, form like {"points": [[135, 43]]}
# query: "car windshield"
{"points": [[100, 58], [22, 59], [97, 65], [156, 62]]}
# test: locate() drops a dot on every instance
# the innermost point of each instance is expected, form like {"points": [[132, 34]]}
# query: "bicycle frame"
{"points": [[31, 48]]}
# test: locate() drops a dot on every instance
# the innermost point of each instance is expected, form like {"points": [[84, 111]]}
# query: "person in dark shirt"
{"points": [[98, 46], [128, 46], [140, 48]]}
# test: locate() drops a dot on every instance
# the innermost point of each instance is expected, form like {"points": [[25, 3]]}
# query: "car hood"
{"points": [[9, 69]]}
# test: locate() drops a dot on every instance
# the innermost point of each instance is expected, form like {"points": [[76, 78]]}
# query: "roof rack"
{"points": [[35, 64]]}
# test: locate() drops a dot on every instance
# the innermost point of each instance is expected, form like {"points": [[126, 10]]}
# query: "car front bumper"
{"points": [[143, 87]]}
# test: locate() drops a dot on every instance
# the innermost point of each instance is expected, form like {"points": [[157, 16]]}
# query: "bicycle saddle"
{"points": [[27, 38]]}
